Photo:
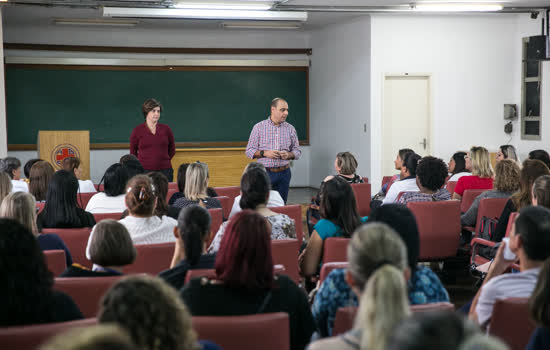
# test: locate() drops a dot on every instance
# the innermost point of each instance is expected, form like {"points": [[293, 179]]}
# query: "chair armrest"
{"points": [[468, 228], [483, 242]]}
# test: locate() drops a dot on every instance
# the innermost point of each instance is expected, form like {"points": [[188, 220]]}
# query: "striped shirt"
{"points": [[266, 136]]}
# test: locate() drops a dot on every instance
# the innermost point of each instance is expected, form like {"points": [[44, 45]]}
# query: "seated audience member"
{"points": [[530, 171], [339, 219], [20, 206], [132, 165], [507, 152], [274, 200], [5, 186], [111, 249], [398, 164], [196, 183], [27, 283], [424, 286], [430, 178], [457, 166], [73, 164], [28, 165], [505, 184], [152, 313], [245, 283], [61, 209], [482, 172], [191, 234], [112, 199], [255, 185], [540, 154], [40, 176], [440, 330], [407, 182], [539, 308], [12, 167], [160, 182], [97, 337], [541, 191], [210, 192], [530, 242], [377, 273]]}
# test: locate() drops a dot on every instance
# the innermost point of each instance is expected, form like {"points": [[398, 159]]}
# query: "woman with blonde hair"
{"points": [[479, 162], [5, 185], [40, 175], [20, 206], [196, 183], [378, 271]]}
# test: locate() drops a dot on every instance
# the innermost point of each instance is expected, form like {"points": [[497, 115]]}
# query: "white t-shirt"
{"points": [[509, 285], [407, 185], [275, 200], [86, 186], [101, 203], [457, 176], [19, 186]]}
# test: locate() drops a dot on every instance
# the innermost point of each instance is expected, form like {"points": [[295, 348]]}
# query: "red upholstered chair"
{"points": [[438, 227], [227, 204], [511, 323], [335, 249], [40, 207], [152, 258], [231, 192], [295, 213], [468, 198], [85, 291], [365, 179], [102, 216], [209, 273], [269, 331], [216, 219], [55, 259], [386, 180], [173, 185], [362, 197], [328, 267], [84, 198], [285, 252], [170, 193], [31, 337], [443, 306], [76, 240], [451, 187]]}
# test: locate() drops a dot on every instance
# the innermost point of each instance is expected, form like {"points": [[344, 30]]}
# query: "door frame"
{"points": [[428, 77]]}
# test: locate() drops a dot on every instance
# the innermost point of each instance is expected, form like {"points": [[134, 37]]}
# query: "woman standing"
{"points": [[152, 142]]}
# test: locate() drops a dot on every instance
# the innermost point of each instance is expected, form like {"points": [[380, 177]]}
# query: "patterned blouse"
{"points": [[441, 195], [424, 288], [282, 227]]}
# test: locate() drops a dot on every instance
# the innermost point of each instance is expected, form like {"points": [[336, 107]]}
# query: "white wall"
{"points": [[339, 96], [473, 61], [3, 132]]}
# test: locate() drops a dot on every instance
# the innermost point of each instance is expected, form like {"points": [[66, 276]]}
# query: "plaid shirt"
{"points": [[266, 136], [441, 195]]}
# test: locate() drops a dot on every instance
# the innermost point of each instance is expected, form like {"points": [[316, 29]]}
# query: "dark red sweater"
{"points": [[153, 151]]}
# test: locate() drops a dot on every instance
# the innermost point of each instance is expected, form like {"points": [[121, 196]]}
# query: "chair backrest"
{"points": [[386, 180], [295, 213], [102, 216], [230, 191], [173, 185], [328, 267], [365, 179], [85, 291], [40, 207], [84, 198], [468, 198], [285, 252], [152, 258], [511, 220], [211, 273], [31, 337], [442, 306], [439, 228], [510, 322], [227, 204], [76, 240], [216, 220], [491, 208], [55, 259], [335, 249], [451, 186], [270, 331], [362, 197], [170, 193]]}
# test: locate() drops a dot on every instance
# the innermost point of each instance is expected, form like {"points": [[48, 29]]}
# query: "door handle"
{"points": [[424, 143]]}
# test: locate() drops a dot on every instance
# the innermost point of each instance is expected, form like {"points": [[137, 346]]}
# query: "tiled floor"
{"points": [[301, 195]]}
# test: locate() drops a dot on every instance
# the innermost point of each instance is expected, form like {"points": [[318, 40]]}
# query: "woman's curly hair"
{"points": [[151, 311]]}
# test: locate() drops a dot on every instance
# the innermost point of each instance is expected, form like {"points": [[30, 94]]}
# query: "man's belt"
{"points": [[278, 169]]}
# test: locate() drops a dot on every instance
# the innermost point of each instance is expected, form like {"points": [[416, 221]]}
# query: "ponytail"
{"points": [[194, 225], [140, 196]]}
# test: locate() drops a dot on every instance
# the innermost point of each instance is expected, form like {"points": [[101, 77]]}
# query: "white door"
{"points": [[405, 118]]}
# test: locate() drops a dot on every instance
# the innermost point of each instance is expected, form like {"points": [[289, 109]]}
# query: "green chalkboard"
{"points": [[199, 105]]}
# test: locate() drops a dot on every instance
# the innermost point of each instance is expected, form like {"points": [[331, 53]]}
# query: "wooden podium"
{"points": [[54, 146]]}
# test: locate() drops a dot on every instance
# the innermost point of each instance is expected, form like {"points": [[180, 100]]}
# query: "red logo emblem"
{"points": [[63, 151]]}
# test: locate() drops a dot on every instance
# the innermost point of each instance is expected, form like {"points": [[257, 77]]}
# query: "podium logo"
{"points": [[63, 151]]}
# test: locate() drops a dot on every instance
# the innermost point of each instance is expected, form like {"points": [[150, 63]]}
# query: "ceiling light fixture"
{"points": [[261, 25], [130, 12], [257, 6], [456, 7], [95, 22]]}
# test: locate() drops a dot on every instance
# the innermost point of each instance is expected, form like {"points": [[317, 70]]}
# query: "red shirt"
{"points": [[154, 151], [473, 182]]}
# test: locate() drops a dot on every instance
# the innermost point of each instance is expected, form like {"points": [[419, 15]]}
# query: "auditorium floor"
{"points": [[301, 195]]}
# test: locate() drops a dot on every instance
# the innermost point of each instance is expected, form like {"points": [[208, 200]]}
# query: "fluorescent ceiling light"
{"points": [[129, 12], [261, 25], [456, 7], [95, 22], [208, 5]]}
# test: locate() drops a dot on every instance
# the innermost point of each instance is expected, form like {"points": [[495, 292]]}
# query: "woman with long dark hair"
{"points": [[112, 199], [457, 166], [40, 175]]}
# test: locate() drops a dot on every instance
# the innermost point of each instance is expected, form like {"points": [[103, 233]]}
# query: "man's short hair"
{"points": [[533, 225], [275, 101], [431, 173]]}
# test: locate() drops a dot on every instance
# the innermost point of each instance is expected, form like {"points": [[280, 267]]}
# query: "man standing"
{"points": [[275, 142]]}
